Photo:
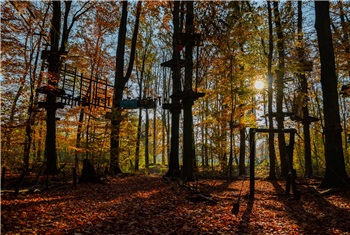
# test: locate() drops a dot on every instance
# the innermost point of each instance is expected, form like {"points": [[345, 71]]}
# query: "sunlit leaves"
{"points": [[146, 204]]}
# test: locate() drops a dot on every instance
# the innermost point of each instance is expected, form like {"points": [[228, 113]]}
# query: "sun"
{"points": [[259, 85]]}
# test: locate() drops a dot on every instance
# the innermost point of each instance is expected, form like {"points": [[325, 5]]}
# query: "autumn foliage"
{"points": [[199, 77]]}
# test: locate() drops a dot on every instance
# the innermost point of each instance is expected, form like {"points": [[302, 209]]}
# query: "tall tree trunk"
{"points": [[164, 120], [156, 89], [303, 81], [272, 154], [346, 41], [346, 35], [202, 135], [138, 140], [57, 36], [175, 110], [163, 138], [31, 113], [154, 136], [146, 140], [120, 82], [335, 175], [230, 161], [142, 94], [54, 66], [279, 93], [188, 170]]}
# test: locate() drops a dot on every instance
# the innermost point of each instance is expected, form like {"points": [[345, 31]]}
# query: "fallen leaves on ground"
{"points": [[149, 205]]}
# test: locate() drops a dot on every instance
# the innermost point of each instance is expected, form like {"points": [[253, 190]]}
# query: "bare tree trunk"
{"points": [[165, 129], [163, 140], [304, 85], [346, 41], [146, 140], [272, 154], [138, 141], [174, 170], [54, 66], [120, 81], [31, 114], [230, 161], [279, 94], [155, 126], [154, 136], [188, 170], [335, 175], [57, 36]]}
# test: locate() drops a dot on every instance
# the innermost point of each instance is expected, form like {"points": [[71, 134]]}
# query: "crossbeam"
{"points": [[290, 149]]}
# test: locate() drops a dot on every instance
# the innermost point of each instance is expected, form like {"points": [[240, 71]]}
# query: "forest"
{"points": [[197, 114]]}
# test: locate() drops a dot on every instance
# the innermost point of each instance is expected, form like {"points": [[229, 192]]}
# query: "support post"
{"points": [[292, 132], [296, 192], [252, 162]]}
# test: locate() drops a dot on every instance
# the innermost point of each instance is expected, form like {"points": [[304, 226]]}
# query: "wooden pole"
{"points": [[252, 161]]}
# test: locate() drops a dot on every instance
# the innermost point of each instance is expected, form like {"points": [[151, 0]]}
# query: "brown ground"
{"points": [[150, 205]]}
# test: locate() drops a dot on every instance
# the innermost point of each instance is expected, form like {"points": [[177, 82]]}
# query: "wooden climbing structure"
{"points": [[195, 39], [291, 178], [74, 89]]}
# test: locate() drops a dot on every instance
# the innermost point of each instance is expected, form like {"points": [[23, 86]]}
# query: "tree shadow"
{"points": [[313, 214], [243, 226], [86, 207]]}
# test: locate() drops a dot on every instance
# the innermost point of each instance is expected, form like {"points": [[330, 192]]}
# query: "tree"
{"points": [[53, 73], [58, 43], [33, 96], [342, 54], [174, 168], [279, 94], [187, 171], [95, 49], [25, 52], [272, 154], [144, 59], [304, 89], [120, 82], [335, 175]]}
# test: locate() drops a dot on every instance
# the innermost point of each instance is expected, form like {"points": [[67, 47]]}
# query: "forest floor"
{"points": [[147, 204]]}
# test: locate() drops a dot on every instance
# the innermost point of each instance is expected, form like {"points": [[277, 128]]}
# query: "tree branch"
{"points": [[133, 43]]}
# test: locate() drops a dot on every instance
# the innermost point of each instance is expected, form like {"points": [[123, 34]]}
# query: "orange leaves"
{"points": [[147, 205]]}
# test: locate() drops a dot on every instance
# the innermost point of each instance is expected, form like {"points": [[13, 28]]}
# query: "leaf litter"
{"points": [[143, 204]]}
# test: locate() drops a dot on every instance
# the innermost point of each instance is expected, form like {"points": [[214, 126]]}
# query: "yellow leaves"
{"points": [[20, 6], [78, 150]]}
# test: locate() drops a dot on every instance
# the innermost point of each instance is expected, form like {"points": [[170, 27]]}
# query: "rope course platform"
{"points": [[293, 116], [195, 39], [74, 89], [147, 103]]}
